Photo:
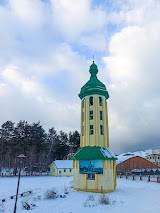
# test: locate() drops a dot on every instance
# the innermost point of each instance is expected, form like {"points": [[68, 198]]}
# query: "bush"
{"points": [[104, 200], [2, 209], [90, 201], [51, 194]]}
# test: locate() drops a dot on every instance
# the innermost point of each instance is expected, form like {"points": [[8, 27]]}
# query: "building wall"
{"points": [[154, 158], [54, 171], [96, 139], [135, 163], [105, 182]]}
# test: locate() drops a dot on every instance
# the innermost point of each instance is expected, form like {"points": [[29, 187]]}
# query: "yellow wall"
{"points": [[54, 171], [105, 182], [96, 139]]}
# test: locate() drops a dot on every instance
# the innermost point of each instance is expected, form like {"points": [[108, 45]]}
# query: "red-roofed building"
{"points": [[135, 163]]}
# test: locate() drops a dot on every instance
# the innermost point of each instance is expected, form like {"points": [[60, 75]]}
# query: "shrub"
{"points": [[51, 194], [104, 200], [90, 201], [2, 209]]}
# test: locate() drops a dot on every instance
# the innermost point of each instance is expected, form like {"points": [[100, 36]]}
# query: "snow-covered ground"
{"points": [[130, 196]]}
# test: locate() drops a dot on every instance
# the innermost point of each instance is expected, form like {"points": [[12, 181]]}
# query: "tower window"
{"points": [[82, 116], [91, 129], [101, 129], [91, 115], [82, 130], [83, 103], [91, 101], [101, 115], [100, 101]]}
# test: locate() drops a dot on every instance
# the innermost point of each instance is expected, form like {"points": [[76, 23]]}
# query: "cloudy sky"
{"points": [[46, 48]]}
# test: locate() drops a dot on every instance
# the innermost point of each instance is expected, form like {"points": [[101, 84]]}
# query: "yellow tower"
{"points": [[94, 164]]}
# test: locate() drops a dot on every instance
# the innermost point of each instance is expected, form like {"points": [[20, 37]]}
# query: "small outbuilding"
{"points": [[61, 168]]}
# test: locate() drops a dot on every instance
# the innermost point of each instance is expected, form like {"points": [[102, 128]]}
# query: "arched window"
{"points": [[83, 103], [100, 101], [91, 101]]}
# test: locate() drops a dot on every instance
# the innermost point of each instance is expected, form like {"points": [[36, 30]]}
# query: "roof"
{"points": [[136, 162], [94, 153], [63, 164], [127, 155], [93, 86]]}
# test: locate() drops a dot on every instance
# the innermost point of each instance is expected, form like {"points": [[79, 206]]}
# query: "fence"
{"points": [[148, 178]]}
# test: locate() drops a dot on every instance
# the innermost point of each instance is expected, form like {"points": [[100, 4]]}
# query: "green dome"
{"points": [[93, 86]]}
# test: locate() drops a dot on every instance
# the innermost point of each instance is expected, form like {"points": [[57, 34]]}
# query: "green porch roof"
{"points": [[93, 86], [94, 153]]}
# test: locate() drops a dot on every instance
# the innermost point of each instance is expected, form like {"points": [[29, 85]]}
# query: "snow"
{"points": [[130, 196], [107, 152], [66, 164], [126, 156]]}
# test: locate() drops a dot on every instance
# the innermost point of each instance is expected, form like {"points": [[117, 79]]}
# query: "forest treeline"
{"points": [[39, 146]]}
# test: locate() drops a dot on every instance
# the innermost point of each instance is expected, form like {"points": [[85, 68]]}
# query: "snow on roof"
{"points": [[127, 155], [66, 164], [107, 152]]}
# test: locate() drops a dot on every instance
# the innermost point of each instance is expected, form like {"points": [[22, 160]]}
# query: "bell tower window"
{"points": [[91, 129], [101, 115], [91, 101], [91, 114], [82, 116], [100, 101], [101, 129], [82, 130]]}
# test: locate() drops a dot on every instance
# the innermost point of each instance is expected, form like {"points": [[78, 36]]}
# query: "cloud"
{"points": [[76, 19], [45, 52], [133, 67]]}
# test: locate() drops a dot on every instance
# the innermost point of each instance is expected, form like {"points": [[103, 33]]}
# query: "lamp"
{"points": [[21, 157]]}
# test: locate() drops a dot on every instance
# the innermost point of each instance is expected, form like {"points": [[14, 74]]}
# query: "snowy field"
{"points": [[130, 196]]}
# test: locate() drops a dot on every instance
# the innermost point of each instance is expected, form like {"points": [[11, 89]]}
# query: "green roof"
{"points": [[94, 153], [93, 86]]}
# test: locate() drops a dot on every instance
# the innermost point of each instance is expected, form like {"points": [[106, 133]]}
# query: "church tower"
{"points": [[94, 164]]}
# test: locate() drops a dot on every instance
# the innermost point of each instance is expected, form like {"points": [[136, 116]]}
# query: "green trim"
{"points": [[93, 153], [93, 86]]}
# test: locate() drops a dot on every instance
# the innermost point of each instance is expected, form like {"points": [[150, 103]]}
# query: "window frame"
{"points": [[82, 130], [82, 116], [91, 130], [91, 115], [100, 101], [101, 115], [91, 101], [82, 103], [91, 176], [101, 130]]}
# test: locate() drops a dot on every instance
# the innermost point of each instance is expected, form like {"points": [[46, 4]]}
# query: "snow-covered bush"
{"points": [[51, 194], [104, 200], [2, 209], [27, 202], [28, 206], [90, 201]]}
